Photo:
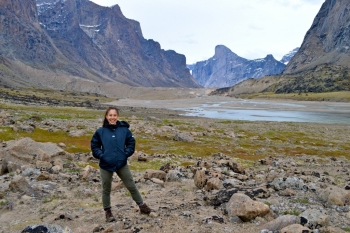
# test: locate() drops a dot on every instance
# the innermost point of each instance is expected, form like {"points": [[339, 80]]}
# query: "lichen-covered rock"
{"points": [[200, 179], [280, 222], [149, 174], [245, 208], [314, 219]]}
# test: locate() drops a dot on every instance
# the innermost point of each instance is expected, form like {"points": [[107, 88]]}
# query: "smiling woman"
{"points": [[112, 144], [111, 116], [203, 25]]}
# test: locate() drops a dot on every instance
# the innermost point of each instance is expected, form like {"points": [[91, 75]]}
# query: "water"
{"points": [[267, 111]]}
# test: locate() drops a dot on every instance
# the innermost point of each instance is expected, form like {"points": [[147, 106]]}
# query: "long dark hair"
{"points": [[105, 121]]}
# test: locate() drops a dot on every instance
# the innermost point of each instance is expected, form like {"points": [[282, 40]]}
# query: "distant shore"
{"points": [[235, 103]]}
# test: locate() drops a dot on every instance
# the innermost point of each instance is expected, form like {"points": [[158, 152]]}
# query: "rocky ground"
{"points": [[43, 185]]}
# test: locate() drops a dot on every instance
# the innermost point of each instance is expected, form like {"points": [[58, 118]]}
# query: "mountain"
{"points": [[327, 41], [286, 58], [226, 68], [322, 64], [81, 40]]}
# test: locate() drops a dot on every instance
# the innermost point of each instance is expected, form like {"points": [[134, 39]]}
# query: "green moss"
{"points": [[3, 202], [301, 200], [49, 199], [225, 122], [292, 212], [154, 164], [74, 144], [187, 163], [28, 111]]}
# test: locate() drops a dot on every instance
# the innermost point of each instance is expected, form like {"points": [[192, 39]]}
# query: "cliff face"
{"points": [[226, 68], [21, 36], [286, 58], [327, 41], [82, 39]]}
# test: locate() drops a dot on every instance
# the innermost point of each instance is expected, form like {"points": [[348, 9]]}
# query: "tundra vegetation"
{"points": [[264, 152]]}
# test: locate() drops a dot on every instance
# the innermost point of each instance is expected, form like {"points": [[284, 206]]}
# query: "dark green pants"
{"points": [[124, 174]]}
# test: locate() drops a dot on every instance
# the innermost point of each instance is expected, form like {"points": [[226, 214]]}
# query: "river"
{"points": [[252, 110]]}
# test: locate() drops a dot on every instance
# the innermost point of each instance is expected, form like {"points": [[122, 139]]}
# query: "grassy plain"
{"points": [[243, 140]]}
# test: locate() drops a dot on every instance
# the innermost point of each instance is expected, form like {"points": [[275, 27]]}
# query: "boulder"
{"points": [[142, 157], [295, 228], [20, 184], [333, 230], [86, 173], [27, 149], [213, 183], [314, 219], [46, 228], [43, 166], [183, 137], [174, 175], [200, 179], [246, 209], [280, 222], [289, 182], [334, 195], [57, 169], [77, 133], [158, 181], [149, 174]]}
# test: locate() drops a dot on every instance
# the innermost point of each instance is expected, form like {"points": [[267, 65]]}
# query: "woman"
{"points": [[112, 144]]}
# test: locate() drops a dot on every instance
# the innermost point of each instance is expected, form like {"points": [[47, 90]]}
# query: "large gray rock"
{"points": [[246, 209], [174, 175], [27, 149], [334, 195], [289, 182], [183, 137], [149, 174], [213, 184], [295, 228], [200, 179], [47, 228], [280, 222], [314, 219], [19, 184]]}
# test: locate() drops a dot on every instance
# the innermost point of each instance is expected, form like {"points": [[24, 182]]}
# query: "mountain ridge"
{"points": [[226, 68], [82, 40], [322, 64]]}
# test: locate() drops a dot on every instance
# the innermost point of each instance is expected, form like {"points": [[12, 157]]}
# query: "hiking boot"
{"points": [[144, 209], [109, 215]]}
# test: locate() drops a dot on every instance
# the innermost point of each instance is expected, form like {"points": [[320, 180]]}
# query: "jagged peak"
{"points": [[269, 56], [222, 51]]}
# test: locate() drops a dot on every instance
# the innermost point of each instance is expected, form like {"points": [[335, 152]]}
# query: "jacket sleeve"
{"points": [[130, 143], [96, 145]]}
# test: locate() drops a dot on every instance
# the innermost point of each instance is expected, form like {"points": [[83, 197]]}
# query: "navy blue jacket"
{"points": [[112, 145]]}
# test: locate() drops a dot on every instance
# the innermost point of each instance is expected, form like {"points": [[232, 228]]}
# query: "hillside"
{"points": [[322, 62], [75, 41]]}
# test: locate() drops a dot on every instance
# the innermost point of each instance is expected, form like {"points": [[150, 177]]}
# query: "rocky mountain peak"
{"points": [[226, 68], [222, 50], [269, 57], [286, 58], [327, 41], [83, 40], [24, 9]]}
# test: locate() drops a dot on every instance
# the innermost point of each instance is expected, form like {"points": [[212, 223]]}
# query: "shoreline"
{"points": [[226, 108], [234, 103]]}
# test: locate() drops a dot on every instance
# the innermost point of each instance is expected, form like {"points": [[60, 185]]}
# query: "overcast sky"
{"points": [[250, 28]]}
